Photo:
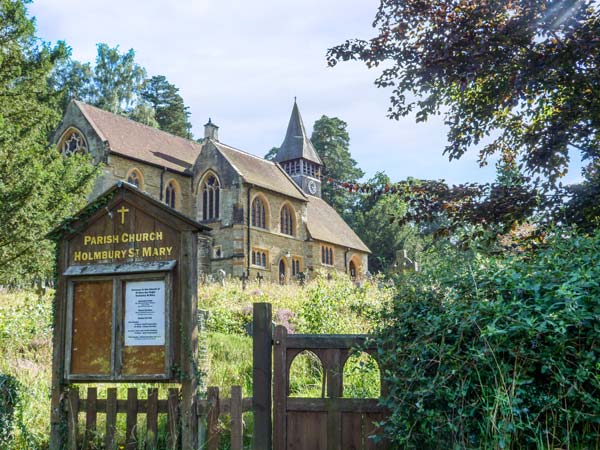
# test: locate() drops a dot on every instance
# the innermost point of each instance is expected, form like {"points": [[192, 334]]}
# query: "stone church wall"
{"points": [[118, 168]]}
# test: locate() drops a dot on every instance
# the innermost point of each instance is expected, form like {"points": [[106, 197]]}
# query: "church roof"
{"points": [[135, 140], [297, 143], [260, 172], [325, 224]]}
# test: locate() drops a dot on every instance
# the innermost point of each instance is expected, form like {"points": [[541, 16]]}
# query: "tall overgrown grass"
{"points": [[322, 306]]}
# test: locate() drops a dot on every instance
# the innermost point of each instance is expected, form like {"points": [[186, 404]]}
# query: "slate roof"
{"points": [[325, 224], [135, 140], [260, 172], [297, 143]]}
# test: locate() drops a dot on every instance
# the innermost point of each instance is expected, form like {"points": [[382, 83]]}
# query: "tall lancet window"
{"points": [[259, 213], [286, 220], [171, 194], [210, 190]]}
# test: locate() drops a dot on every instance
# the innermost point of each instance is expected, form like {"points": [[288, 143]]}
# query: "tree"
{"points": [[117, 80], [376, 219], [331, 141], [522, 74], [171, 113], [38, 187], [271, 154], [116, 83]]}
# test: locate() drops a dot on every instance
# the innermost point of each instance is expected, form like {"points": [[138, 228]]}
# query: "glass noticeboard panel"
{"points": [[91, 338], [144, 313], [144, 327]]}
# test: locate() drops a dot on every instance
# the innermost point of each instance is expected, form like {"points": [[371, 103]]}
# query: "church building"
{"points": [[266, 217]]}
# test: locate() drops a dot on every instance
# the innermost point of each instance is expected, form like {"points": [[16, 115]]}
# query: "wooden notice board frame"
{"points": [[125, 236], [116, 374]]}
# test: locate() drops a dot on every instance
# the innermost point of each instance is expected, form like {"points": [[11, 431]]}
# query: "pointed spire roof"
{"points": [[297, 143]]}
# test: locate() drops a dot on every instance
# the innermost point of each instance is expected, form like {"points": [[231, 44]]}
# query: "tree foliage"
{"points": [[117, 83], [332, 142], [38, 186], [511, 75], [378, 220], [271, 154], [170, 111], [114, 83], [483, 352]]}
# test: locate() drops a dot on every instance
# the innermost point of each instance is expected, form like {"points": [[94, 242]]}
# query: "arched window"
{"points": [[171, 191], [259, 213], [72, 142], [286, 220], [135, 177], [210, 191]]}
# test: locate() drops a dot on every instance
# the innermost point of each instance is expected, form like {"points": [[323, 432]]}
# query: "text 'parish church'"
{"points": [[266, 217]]}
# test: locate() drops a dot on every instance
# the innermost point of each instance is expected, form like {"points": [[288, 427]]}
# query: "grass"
{"points": [[323, 306]]}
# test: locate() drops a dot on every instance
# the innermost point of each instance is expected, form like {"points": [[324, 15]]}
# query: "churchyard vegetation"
{"points": [[323, 305], [483, 352], [494, 344]]}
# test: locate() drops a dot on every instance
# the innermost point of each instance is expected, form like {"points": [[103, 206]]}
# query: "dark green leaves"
{"points": [[484, 352], [523, 74], [38, 187]]}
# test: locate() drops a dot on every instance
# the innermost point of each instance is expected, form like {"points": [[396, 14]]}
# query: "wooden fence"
{"points": [[209, 411], [132, 407], [332, 423]]}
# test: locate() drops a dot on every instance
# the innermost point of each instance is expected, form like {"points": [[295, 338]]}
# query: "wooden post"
{"points": [[132, 405], [214, 409], [280, 389], [173, 417], [73, 401], [58, 418], [189, 336], [91, 415], [236, 418], [152, 418], [111, 419], [262, 339], [334, 377]]}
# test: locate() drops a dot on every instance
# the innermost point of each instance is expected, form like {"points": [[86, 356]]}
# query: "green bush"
{"points": [[482, 352]]}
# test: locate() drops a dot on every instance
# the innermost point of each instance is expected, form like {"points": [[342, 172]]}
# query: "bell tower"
{"points": [[298, 157]]}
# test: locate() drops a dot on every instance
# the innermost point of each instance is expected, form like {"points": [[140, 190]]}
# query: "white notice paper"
{"points": [[144, 313]]}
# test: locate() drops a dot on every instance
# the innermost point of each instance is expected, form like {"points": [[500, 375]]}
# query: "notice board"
{"points": [[128, 276]]}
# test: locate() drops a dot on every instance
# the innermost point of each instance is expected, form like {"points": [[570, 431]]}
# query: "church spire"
{"points": [[297, 144]]}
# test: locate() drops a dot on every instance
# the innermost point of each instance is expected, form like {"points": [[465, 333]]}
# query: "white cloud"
{"points": [[242, 62]]}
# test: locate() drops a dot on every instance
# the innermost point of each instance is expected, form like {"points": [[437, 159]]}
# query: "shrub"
{"points": [[482, 352]]}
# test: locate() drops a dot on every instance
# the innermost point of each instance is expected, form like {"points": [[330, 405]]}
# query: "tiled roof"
{"points": [[135, 140], [297, 144], [325, 224], [260, 172]]}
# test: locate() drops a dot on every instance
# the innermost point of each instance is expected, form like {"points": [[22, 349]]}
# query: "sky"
{"points": [[242, 62]]}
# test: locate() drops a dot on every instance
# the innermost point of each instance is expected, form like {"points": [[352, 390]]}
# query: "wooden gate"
{"points": [[328, 423]]}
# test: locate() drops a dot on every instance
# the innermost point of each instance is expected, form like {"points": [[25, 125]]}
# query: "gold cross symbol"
{"points": [[122, 211]]}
